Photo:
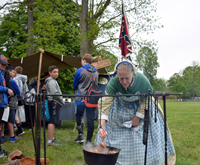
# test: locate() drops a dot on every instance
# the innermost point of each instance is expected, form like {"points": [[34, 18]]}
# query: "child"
{"points": [[4, 92], [11, 119], [21, 81], [54, 102]]}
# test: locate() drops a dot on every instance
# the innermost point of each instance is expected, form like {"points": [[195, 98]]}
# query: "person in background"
{"points": [[81, 85], [4, 92], [42, 82], [33, 86], [11, 119], [46, 75], [121, 119], [4, 128], [54, 103], [12, 75], [30, 118], [21, 81]]}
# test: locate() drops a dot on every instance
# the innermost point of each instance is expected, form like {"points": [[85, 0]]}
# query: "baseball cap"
{"points": [[3, 59]]}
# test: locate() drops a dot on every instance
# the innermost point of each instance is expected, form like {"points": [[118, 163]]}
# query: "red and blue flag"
{"points": [[124, 39]]}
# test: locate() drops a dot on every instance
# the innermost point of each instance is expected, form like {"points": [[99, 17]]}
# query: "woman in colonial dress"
{"points": [[121, 120]]}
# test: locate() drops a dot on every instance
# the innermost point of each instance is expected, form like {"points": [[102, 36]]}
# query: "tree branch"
{"points": [[78, 8], [101, 10], [1, 7], [121, 13], [110, 19], [116, 17], [111, 39], [98, 5]]}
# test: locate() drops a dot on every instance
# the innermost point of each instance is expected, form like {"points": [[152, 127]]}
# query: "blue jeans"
{"points": [[90, 112]]}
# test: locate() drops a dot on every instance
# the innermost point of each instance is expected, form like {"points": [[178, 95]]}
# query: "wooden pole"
{"points": [[38, 80], [39, 72], [39, 69], [37, 113]]}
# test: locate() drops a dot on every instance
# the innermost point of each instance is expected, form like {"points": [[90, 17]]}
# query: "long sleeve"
{"points": [[140, 111], [14, 87], [104, 107], [3, 89], [77, 79], [54, 89], [17, 81]]}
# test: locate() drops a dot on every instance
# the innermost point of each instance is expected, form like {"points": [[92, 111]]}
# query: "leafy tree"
{"points": [[186, 82], [66, 80], [175, 83], [102, 19], [58, 25], [191, 78], [56, 29], [30, 27], [160, 84], [53, 30], [13, 31], [148, 62]]}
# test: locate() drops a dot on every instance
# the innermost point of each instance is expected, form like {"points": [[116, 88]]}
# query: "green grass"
{"points": [[183, 119], [184, 122]]}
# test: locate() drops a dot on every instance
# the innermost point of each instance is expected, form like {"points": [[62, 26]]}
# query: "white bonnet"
{"points": [[122, 62]]}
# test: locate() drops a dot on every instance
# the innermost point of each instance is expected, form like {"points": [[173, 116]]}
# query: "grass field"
{"points": [[183, 119], [184, 122]]}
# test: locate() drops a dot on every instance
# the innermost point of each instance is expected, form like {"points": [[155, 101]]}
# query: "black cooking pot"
{"points": [[92, 158]]}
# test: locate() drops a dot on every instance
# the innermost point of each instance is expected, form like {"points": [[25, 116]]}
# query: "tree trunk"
{"points": [[90, 47], [84, 26], [30, 26], [90, 42]]}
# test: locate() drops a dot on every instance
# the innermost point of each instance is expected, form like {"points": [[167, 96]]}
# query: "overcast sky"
{"points": [[179, 40]]}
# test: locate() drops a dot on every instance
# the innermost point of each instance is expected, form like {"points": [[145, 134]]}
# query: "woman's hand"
{"points": [[102, 133], [135, 121]]}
